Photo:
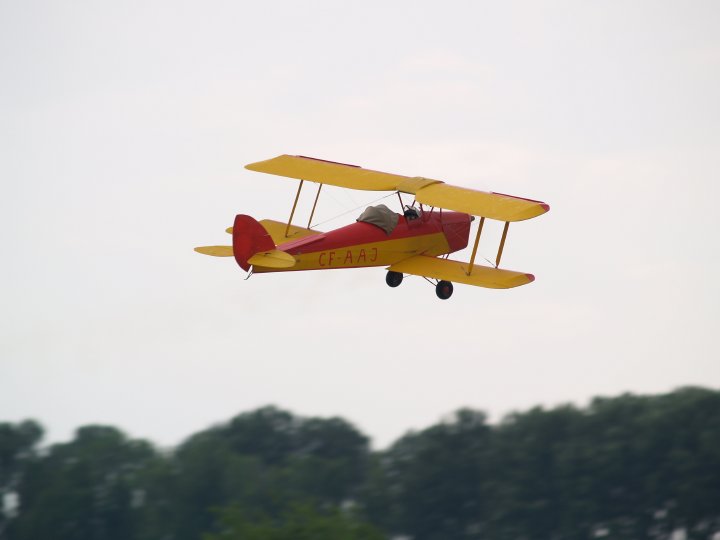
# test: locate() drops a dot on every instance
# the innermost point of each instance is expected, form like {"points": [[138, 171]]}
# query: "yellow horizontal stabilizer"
{"points": [[272, 259], [328, 172], [480, 203], [456, 271], [216, 251], [276, 230]]}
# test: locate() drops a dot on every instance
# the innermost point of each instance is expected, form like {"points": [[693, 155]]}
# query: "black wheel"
{"points": [[393, 278], [444, 290]]}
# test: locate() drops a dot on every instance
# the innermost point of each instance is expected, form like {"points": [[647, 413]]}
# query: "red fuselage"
{"points": [[361, 244]]}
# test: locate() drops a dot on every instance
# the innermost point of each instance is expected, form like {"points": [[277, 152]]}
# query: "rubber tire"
{"points": [[393, 279], [444, 290]]}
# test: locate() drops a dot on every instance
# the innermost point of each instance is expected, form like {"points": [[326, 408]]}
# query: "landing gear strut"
{"points": [[393, 278], [444, 290]]}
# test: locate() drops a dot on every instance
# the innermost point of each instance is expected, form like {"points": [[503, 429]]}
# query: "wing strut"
{"points": [[292, 212], [314, 205], [477, 241], [502, 244]]}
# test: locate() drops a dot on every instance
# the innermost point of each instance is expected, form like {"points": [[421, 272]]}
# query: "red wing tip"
{"points": [[545, 207], [530, 277]]}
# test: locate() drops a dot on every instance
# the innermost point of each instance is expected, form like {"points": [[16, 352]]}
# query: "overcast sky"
{"points": [[124, 129]]}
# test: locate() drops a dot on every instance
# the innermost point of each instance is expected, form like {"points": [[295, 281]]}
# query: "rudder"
{"points": [[249, 238]]}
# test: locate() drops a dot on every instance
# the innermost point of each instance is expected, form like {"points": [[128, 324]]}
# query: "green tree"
{"points": [[297, 522], [17, 449], [438, 479], [657, 463], [540, 480], [88, 489], [265, 460], [628, 467]]}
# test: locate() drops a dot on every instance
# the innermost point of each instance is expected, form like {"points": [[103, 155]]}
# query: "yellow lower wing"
{"points": [[456, 271]]}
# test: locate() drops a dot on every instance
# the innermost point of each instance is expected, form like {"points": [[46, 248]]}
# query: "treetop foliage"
{"points": [[623, 467]]}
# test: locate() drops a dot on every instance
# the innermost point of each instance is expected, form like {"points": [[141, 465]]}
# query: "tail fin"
{"points": [[249, 238]]}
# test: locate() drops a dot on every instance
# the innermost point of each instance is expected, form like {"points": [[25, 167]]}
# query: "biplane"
{"points": [[416, 241]]}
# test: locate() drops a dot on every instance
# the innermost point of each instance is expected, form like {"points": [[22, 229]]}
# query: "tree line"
{"points": [[627, 467]]}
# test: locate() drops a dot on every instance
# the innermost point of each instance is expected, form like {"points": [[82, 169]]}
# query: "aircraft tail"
{"points": [[249, 238], [253, 245]]}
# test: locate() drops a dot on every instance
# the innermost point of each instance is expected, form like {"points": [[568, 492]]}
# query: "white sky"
{"points": [[124, 128]]}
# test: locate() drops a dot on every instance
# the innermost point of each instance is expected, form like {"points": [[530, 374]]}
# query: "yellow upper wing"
{"points": [[328, 172], [426, 190], [481, 203]]}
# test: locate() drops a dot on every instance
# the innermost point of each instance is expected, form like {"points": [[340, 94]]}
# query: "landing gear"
{"points": [[393, 278], [444, 290]]}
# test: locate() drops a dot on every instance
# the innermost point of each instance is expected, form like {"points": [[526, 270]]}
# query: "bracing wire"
{"points": [[351, 210]]}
